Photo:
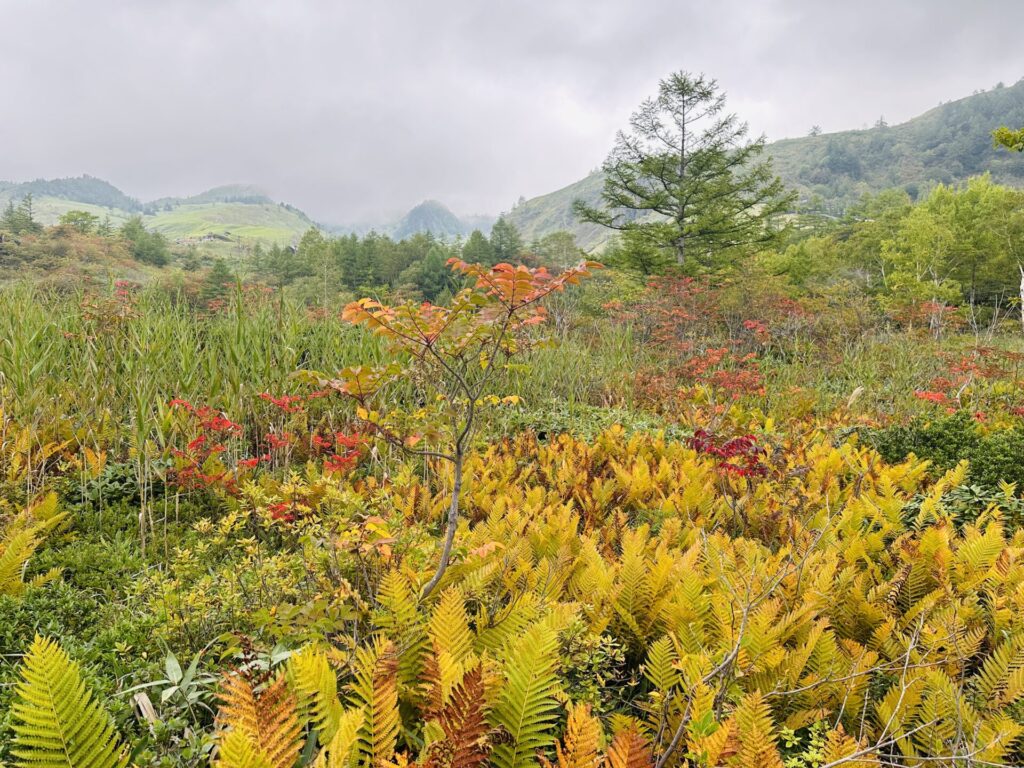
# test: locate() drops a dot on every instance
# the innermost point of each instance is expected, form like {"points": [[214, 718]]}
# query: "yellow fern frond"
{"points": [[753, 727], [316, 691], [629, 750], [449, 626], [581, 744], [57, 722]]}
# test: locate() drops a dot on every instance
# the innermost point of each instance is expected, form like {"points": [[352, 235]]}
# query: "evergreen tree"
{"points": [[430, 276], [315, 252], [147, 247], [9, 219], [477, 249], [20, 220], [686, 176], [218, 281], [506, 243]]}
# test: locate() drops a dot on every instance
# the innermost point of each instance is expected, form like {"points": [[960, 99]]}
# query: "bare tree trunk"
{"points": [[452, 525], [1021, 268]]}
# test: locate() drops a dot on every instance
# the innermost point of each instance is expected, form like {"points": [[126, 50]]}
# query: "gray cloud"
{"points": [[349, 109]]}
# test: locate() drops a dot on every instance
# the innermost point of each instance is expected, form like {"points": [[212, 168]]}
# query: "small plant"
{"points": [[19, 540]]}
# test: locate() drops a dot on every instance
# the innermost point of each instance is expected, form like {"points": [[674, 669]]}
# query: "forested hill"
{"points": [[949, 143], [81, 189]]}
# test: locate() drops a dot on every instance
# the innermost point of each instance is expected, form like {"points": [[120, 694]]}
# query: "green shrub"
{"points": [[995, 457]]}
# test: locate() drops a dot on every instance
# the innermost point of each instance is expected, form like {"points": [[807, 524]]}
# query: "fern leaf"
{"points": [[841, 747], [753, 724], [660, 667], [339, 751], [57, 722], [316, 690], [582, 740], [463, 722], [399, 620], [269, 722], [375, 691], [22, 537], [526, 706], [449, 626], [238, 750], [629, 750]]}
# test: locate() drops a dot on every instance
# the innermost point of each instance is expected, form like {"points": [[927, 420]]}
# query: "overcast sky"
{"points": [[354, 109]]}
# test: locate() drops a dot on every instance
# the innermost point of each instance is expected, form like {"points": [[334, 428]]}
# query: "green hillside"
{"points": [[947, 144], [540, 216], [270, 222], [944, 145], [215, 219]]}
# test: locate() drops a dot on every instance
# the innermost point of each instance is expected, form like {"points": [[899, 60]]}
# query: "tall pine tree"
{"points": [[685, 177]]}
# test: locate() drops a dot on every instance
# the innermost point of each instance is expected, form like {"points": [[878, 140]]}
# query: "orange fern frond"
{"points": [[268, 722]]}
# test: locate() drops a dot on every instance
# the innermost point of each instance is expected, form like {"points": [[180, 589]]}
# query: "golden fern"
{"points": [[753, 728], [338, 752], [20, 540], [629, 750], [449, 626], [260, 727], [581, 744], [841, 747], [375, 692], [57, 722]]}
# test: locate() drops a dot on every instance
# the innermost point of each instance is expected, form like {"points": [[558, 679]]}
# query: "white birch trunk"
{"points": [[1021, 268]]}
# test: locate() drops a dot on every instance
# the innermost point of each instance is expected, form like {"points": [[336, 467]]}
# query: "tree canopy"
{"points": [[686, 177]]}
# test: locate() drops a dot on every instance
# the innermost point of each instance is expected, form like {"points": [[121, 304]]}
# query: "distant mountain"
{"points": [[230, 193], [947, 144], [429, 216]]}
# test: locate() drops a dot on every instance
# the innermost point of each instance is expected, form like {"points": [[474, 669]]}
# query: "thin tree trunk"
{"points": [[452, 525], [1021, 268]]}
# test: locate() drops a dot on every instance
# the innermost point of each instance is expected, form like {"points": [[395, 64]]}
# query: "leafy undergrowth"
{"points": [[605, 596]]}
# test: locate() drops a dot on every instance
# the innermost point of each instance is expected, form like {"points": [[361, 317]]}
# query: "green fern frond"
{"points": [[22, 537], [339, 751], [660, 668], [57, 722], [526, 708], [316, 691], [399, 620]]}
